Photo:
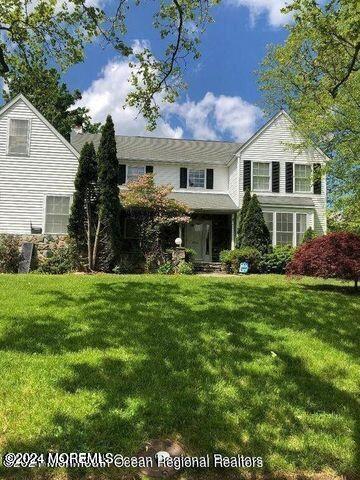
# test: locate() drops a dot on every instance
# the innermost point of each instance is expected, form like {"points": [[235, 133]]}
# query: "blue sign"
{"points": [[244, 267]]}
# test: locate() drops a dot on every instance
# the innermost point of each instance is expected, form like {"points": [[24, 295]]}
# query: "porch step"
{"points": [[207, 267]]}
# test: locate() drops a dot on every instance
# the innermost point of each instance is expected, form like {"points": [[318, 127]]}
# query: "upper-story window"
{"points": [[19, 136], [196, 178], [302, 178], [133, 173], [261, 176], [57, 211]]}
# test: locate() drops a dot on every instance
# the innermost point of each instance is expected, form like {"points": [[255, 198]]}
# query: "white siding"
{"points": [[273, 144], [234, 181], [49, 169], [169, 174]]}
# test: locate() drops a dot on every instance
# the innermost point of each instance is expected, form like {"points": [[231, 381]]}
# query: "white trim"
{"points": [[51, 194], [8, 153], [252, 176], [201, 191], [36, 112]]}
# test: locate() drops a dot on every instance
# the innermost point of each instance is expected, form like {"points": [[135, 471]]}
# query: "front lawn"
{"points": [[257, 365]]}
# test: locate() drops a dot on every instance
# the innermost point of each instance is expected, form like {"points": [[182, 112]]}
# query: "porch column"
{"points": [[233, 231]]}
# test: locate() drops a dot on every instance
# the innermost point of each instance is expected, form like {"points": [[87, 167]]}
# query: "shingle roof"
{"points": [[206, 201], [150, 149], [286, 201]]}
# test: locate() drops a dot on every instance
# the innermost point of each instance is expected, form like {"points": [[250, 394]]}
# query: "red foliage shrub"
{"points": [[336, 255]]}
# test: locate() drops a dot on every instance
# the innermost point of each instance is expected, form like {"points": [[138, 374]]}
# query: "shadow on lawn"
{"points": [[198, 370]]}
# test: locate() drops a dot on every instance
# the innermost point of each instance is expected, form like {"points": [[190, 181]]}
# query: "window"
{"points": [[133, 173], [284, 228], [57, 214], [269, 220], [300, 227], [197, 178], [261, 176], [18, 137], [302, 177]]}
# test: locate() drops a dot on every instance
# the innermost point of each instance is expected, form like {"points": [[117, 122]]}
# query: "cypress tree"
{"points": [[243, 212], [108, 235], [254, 230], [83, 209]]}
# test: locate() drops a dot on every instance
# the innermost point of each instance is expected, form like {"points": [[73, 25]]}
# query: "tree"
{"points": [[83, 217], [336, 255], [60, 30], [254, 230], [108, 229], [153, 210], [33, 79], [243, 212], [308, 235], [315, 75]]}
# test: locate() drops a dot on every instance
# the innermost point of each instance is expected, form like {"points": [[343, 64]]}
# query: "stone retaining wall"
{"points": [[44, 244]]}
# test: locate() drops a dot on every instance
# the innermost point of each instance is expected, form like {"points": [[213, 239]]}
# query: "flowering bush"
{"points": [[336, 255]]}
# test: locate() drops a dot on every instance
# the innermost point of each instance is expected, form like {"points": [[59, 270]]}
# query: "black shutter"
{"points": [[289, 177], [247, 174], [122, 174], [275, 167], [210, 178], [183, 177], [149, 169], [317, 178]]}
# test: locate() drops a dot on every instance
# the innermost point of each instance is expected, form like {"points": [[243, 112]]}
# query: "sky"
{"points": [[223, 99]]}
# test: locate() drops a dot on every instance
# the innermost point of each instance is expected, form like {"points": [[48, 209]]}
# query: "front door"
{"points": [[198, 235]]}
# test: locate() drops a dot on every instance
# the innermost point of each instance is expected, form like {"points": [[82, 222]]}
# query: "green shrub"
{"points": [[166, 268], [185, 268], [63, 260], [9, 254], [309, 235], [231, 259], [277, 260], [190, 255]]}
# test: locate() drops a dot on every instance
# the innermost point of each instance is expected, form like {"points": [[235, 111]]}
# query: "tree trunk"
{"points": [[96, 242], [88, 212]]}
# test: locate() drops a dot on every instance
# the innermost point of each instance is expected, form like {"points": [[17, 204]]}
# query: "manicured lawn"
{"points": [[256, 365]]}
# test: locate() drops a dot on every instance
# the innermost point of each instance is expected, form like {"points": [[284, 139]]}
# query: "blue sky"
{"points": [[222, 100]]}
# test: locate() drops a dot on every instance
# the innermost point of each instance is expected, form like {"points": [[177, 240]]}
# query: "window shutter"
{"points": [[289, 177], [149, 169], [317, 179], [275, 167], [122, 174], [210, 178], [247, 174], [183, 177]]}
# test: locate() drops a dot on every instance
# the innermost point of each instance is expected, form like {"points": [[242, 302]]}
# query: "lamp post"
{"points": [[178, 242]]}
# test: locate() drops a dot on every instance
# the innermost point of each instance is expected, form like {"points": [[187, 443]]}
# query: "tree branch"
{"points": [[351, 68]]}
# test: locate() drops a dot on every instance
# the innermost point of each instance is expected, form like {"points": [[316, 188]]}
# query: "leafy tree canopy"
{"points": [[33, 79], [315, 75], [61, 29]]}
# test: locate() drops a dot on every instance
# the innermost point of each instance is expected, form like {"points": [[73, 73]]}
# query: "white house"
{"points": [[38, 167]]}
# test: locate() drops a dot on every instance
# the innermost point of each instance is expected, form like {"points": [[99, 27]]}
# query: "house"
{"points": [[38, 167]]}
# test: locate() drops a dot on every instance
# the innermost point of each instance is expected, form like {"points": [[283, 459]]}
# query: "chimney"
{"points": [[78, 129]]}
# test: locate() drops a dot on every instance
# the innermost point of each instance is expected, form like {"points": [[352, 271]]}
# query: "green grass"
{"points": [[256, 365]]}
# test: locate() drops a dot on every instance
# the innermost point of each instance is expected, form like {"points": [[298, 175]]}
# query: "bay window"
{"points": [[284, 228]]}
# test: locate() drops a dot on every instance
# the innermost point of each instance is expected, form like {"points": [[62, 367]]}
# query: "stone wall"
{"points": [[44, 244]]}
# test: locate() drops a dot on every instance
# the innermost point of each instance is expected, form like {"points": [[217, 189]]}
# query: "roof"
{"points": [[36, 112], [166, 150], [206, 201], [286, 201]]}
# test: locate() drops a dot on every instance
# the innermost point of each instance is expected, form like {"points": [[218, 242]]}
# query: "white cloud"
{"points": [[272, 8], [211, 118], [214, 117]]}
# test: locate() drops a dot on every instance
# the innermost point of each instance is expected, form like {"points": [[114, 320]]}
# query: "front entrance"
{"points": [[198, 236]]}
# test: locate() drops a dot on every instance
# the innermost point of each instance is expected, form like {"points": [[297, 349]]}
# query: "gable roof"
{"points": [[166, 150], [36, 112]]}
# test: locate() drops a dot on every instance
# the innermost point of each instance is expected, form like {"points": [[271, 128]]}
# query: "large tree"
{"points": [[60, 30], [83, 217], [315, 75], [57, 105], [108, 235]]}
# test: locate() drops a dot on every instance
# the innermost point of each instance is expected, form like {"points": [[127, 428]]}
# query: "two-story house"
{"points": [[38, 168]]}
